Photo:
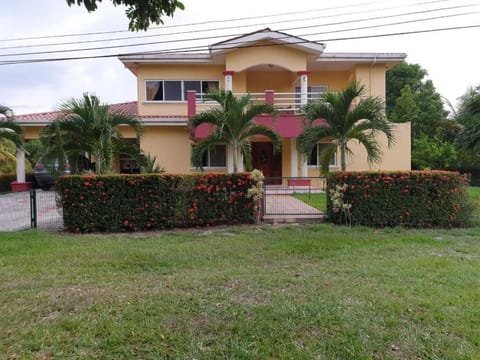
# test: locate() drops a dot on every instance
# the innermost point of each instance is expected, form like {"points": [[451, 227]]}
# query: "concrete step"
{"points": [[291, 219]]}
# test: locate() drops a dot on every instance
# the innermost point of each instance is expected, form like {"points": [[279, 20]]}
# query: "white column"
{"points": [[228, 80], [20, 166], [229, 159], [293, 158], [303, 87], [240, 163]]}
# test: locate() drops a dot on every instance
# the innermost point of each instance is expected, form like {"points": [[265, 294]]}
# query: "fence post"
{"points": [[33, 208]]}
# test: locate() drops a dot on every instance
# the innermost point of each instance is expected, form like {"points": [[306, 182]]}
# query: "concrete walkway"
{"points": [[280, 208], [15, 211]]}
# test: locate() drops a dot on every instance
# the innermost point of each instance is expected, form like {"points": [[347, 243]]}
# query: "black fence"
{"points": [[294, 195], [30, 209]]}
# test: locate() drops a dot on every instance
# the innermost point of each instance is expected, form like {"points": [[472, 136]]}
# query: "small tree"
{"points": [[233, 124], [86, 126], [345, 121]]}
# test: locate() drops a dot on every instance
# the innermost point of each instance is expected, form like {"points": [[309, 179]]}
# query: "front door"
{"points": [[264, 159]]}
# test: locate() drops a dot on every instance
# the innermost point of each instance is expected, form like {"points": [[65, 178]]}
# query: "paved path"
{"points": [[15, 211], [277, 204]]}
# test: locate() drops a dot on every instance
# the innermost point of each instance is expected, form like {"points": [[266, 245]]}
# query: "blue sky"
{"points": [[450, 57]]}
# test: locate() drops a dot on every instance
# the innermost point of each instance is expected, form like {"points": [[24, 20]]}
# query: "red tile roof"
{"points": [[128, 107]]}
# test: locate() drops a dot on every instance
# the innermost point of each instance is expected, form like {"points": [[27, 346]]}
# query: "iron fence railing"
{"points": [[30, 209], [293, 195]]}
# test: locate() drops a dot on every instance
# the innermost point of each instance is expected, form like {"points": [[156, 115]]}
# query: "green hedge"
{"points": [[411, 199], [6, 181], [157, 201]]}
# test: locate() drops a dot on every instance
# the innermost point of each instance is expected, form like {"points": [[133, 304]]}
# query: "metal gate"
{"points": [[30, 209], [293, 195]]}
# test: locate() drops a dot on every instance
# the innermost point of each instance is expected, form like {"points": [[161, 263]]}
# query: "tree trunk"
{"points": [[343, 156], [235, 158]]}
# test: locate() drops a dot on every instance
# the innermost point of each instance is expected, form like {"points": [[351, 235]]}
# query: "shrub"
{"points": [[154, 201], [411, 199]]}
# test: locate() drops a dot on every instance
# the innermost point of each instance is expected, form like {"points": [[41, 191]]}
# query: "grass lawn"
{"points": [[318, 201], [296, 292]]}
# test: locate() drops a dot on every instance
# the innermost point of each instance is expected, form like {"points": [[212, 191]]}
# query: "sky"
{"points": [[451, 57]]}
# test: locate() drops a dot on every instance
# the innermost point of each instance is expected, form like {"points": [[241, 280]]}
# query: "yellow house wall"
{"points": [[373, 77], [172, 72], [283, 56], [171, 146], [335, 80], [32, 132], [397, 157]]}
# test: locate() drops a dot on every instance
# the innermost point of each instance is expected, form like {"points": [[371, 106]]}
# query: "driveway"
{"points": [[15, 211]]}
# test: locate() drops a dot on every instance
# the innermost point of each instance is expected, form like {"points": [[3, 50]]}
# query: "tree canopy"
{"points": [[86, 126], [234, 125], [141, 13]]}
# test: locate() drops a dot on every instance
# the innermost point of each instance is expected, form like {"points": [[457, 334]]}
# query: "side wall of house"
{"points": [[397, 157]]}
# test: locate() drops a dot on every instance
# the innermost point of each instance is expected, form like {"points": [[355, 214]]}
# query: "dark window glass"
{"points": [[154, 90], [192, 85], [209, 86], [173, 90]]}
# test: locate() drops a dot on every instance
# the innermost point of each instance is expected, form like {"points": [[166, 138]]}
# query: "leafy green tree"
{"points": [[346, 121], [140, 12], [469, 116], [398, 77], [234, 125], [10, 137], [9, 129], [85, 126], [433, 153], [33, 151]]}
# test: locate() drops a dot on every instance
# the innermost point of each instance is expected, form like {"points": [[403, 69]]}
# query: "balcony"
{"points": [[288, 123]]}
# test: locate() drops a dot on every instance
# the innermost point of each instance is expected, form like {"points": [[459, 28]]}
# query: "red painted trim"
{"points": [[191, 103], [269, 97], [303, 72], [228, 72], [16, 186]]}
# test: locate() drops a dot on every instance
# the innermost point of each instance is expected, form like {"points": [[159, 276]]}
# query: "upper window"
{"points": [[176, 90], [316, 153]]}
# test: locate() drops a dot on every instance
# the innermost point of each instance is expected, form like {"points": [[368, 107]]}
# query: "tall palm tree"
{"points": [[234, 125], [10, 134], [345, 121], [469, 115], [86, 126]]}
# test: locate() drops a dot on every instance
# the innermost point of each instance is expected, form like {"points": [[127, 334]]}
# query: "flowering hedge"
{"points": [[411, 199], [157, 201]]}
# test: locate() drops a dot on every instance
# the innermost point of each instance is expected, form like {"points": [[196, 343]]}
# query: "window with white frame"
{"points": [[176, 90], [314, 159], [216, 157]]}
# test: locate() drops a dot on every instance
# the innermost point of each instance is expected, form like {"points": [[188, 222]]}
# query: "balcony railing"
{"points": [[285, 102]]}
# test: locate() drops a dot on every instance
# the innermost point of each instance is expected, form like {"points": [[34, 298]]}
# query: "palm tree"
{"points": [[345, 121], [233, 125], [10, 134], [469, 116], [85, 126]]}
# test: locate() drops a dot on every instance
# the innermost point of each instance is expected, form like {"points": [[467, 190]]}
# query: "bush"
{"points": [[154, 201], [411, 199]]}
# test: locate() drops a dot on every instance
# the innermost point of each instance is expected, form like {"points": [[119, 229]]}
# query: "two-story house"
{"points": [[273, 67]]}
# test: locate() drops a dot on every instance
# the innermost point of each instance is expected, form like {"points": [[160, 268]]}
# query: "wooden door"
{"points": [[264, 159]]}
